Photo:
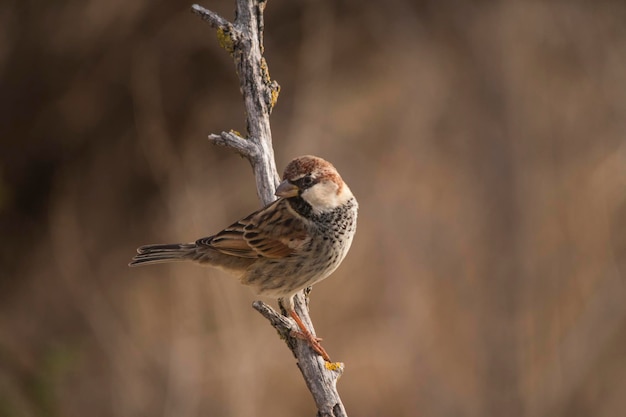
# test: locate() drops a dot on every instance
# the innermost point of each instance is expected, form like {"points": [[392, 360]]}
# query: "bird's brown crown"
{"points": [[317, 168]]}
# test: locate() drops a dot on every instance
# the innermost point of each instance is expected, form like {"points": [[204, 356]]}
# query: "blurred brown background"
{"points": [[485, 143]]}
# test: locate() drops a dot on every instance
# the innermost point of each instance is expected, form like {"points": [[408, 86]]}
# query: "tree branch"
{"points": [[243, 147], [243, 40]]}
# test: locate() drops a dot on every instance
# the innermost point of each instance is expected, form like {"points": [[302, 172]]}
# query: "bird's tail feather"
{"points": [[153, 254]]}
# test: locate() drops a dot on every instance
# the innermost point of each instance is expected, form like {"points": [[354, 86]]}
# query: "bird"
{"points": [[290, 244]]}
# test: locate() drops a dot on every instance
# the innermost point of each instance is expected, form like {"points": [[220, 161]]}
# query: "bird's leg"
{"points": [[305, 334]]}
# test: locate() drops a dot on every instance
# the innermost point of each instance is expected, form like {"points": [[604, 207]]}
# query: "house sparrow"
{"points": [[290, 244]]}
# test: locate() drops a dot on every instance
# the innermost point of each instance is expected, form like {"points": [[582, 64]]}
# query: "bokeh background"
{"points": [[485, 142]]}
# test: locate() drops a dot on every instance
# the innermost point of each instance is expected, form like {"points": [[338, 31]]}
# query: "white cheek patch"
{"points": [[323, 196]]}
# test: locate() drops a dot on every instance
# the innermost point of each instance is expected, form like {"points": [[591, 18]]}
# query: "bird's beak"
{"points": [[287, 189]]}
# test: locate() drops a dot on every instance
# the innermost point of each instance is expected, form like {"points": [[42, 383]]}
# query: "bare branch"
{"points": [[320, 376], [243, 147], [283, 324], [215, 20], [244, 42]]}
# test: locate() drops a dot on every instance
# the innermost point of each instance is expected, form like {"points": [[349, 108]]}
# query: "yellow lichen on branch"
{"points": [[273, 85], [334, 366], [225, 40]]}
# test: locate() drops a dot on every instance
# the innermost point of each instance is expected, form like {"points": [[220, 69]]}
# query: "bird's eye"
{"points": [[306, 181]]}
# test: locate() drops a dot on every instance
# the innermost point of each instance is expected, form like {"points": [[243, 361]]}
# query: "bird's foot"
{"points": [[305, 334]]}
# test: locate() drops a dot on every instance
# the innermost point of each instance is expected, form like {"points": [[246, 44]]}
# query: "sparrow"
{"points": [[288, 245]]}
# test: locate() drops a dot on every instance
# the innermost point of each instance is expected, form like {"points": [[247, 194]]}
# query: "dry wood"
{"points": [[243, 39]]}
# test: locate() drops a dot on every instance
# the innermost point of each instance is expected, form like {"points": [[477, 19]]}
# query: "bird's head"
{"points": [[315, 181]]}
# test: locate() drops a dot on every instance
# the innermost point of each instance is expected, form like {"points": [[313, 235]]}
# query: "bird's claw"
{"points": [[314, 342]]}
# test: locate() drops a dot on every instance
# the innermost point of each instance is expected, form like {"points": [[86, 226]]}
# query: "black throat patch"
{"points": [[300, 206]]}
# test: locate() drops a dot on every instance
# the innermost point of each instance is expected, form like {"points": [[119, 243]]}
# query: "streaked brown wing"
{"points": [[276, 232], [272, 232], [230, 241]]}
